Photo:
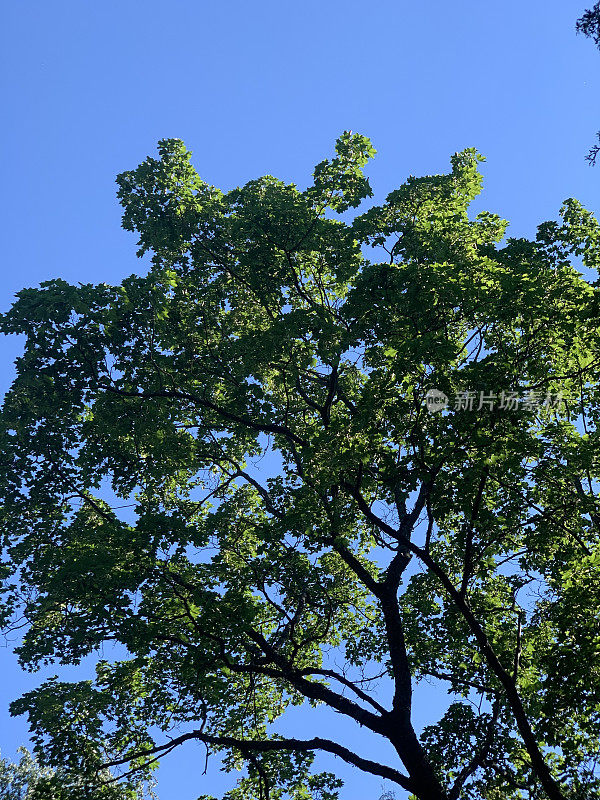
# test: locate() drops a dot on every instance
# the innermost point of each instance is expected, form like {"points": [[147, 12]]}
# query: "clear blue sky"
{"points": [[265, 87]]}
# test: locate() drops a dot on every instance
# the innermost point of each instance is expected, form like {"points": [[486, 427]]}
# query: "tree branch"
{"points": [[251, 746]]}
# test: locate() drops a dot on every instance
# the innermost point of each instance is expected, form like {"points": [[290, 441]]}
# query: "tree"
{"points": [[26, 780], [232, 468], [589, 25], [17, 780]]}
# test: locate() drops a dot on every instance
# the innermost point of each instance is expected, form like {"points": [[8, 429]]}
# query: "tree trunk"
{"points": [[407, 745]]}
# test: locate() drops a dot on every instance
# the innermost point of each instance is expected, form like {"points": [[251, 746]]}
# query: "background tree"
{"points": [[287, 521], [18, 779], [26, 780], [589, 25]]}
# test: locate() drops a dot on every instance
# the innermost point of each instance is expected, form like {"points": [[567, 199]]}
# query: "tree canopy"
{"points": [[241, 472], [18, 780], [26, 780]]}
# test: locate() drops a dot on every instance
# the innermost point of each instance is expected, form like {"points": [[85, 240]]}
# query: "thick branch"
{"points": [[516, 704], [176, 394], [252, 746]]}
